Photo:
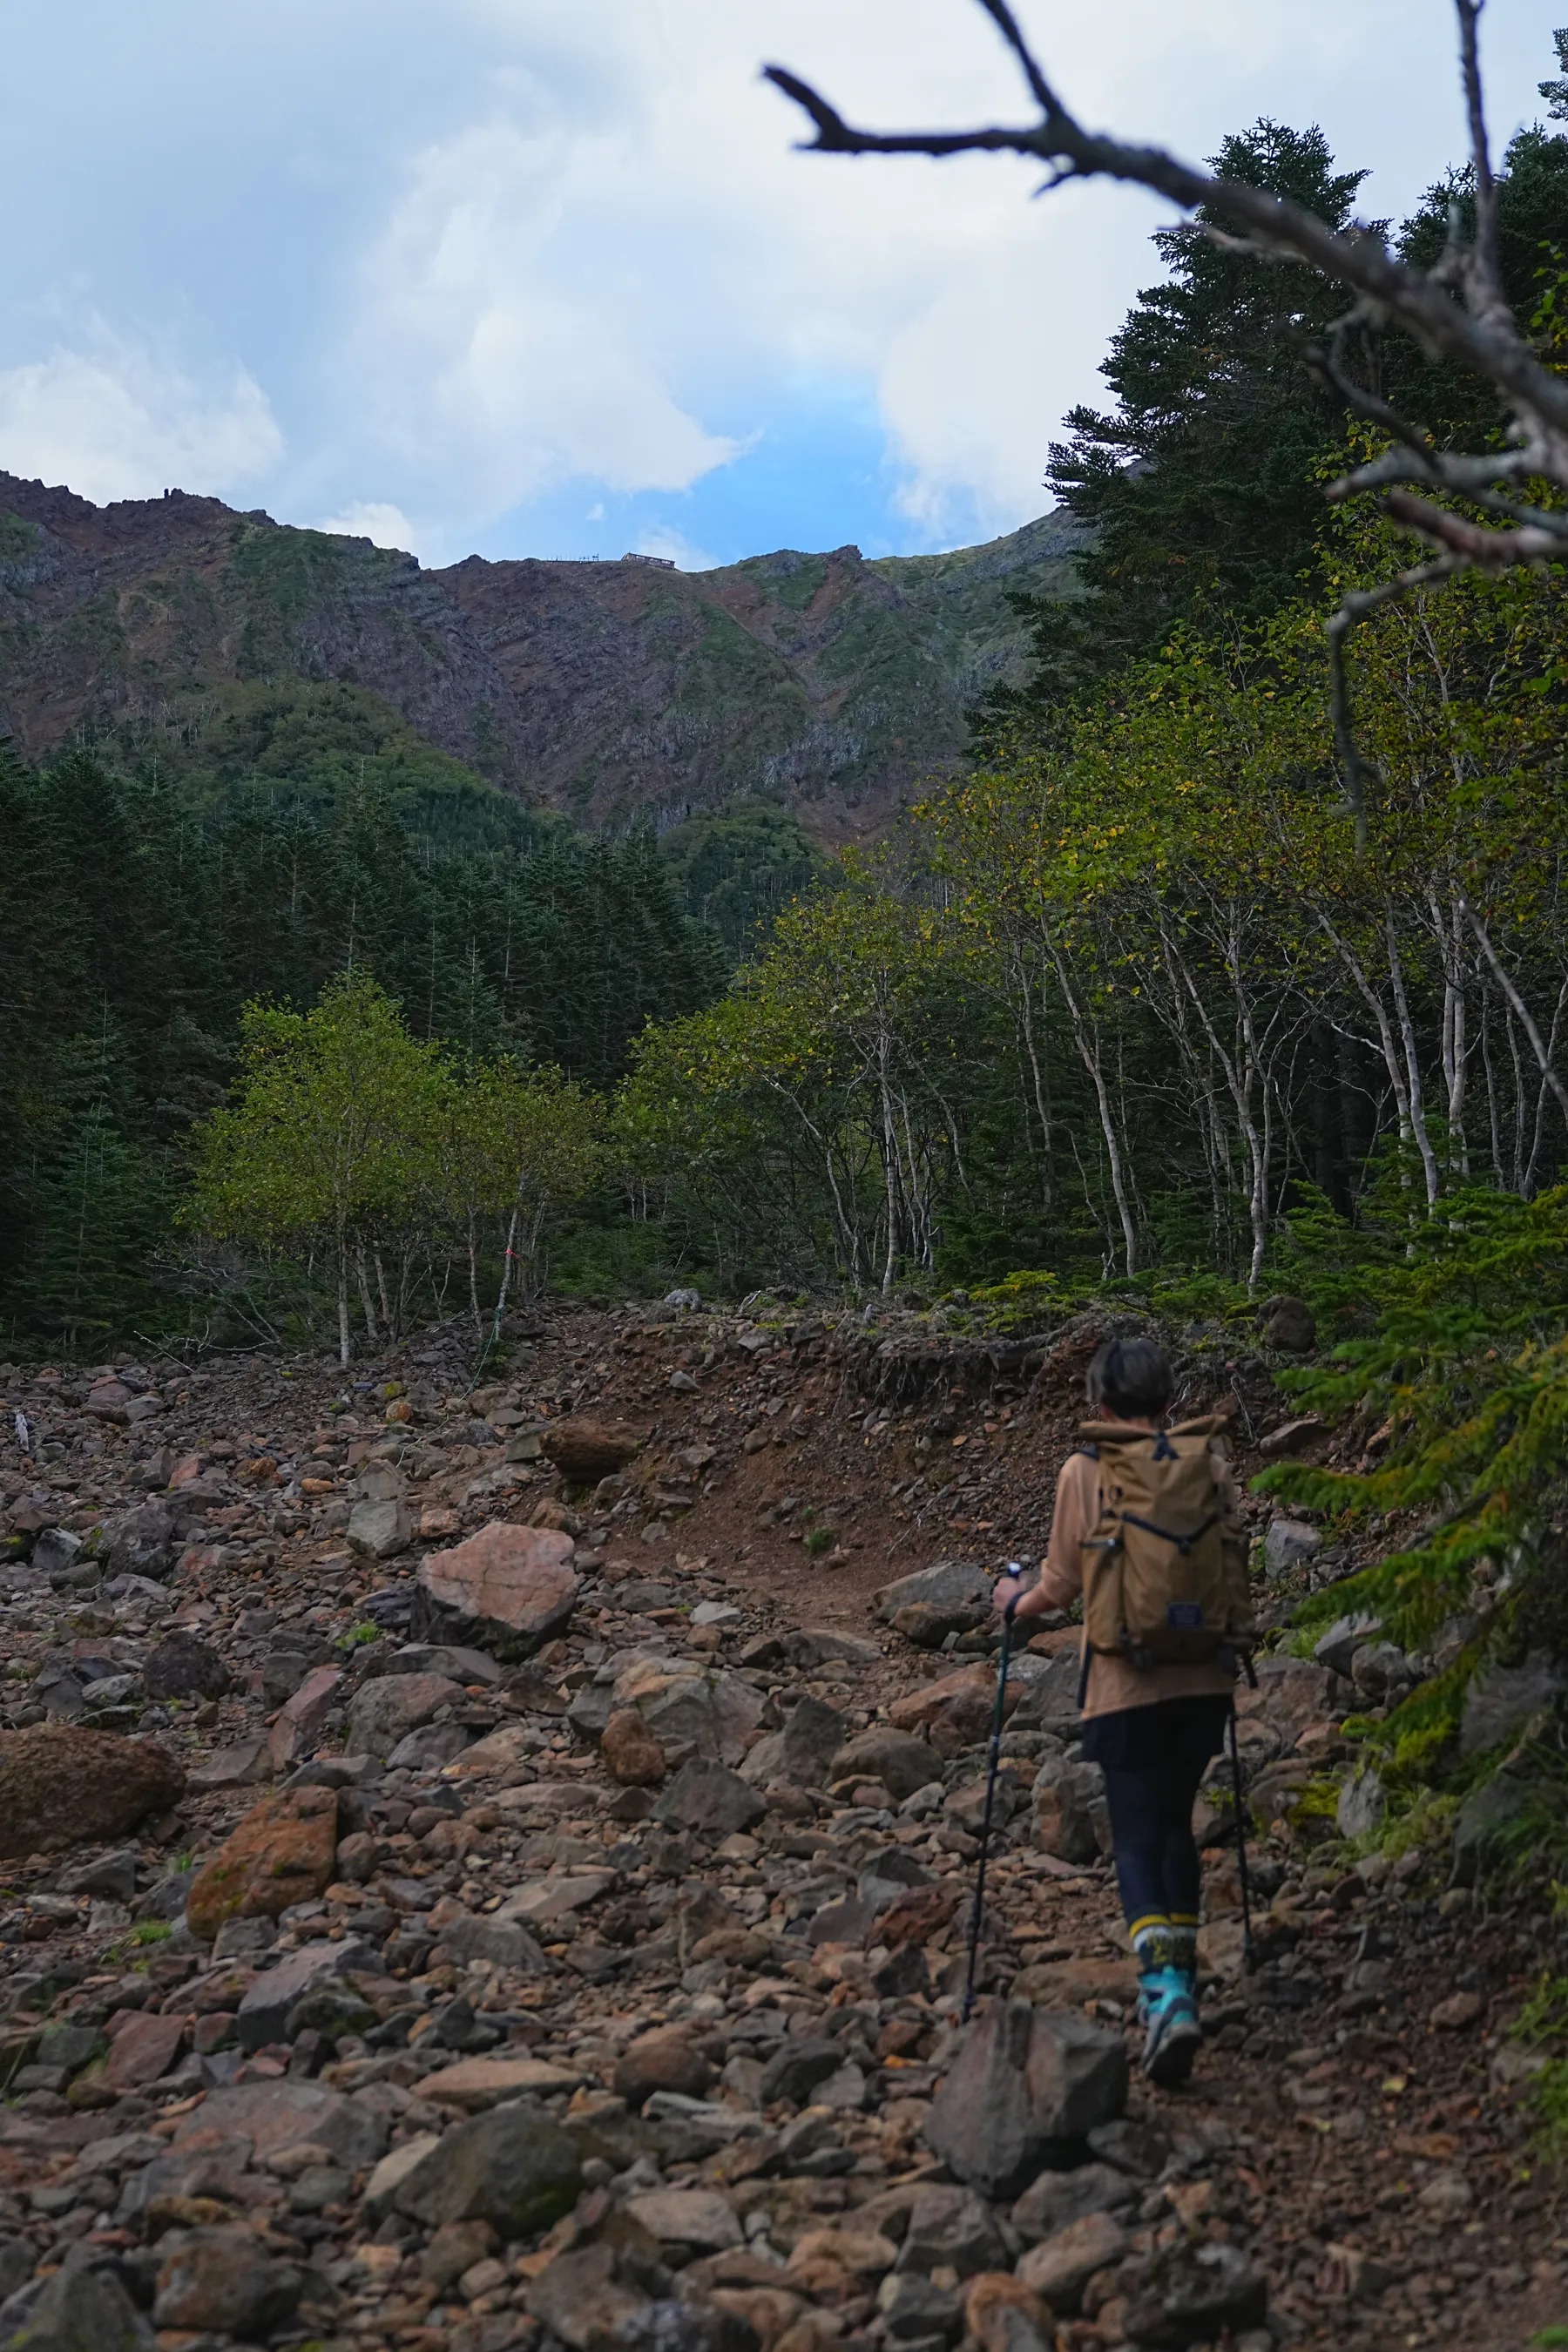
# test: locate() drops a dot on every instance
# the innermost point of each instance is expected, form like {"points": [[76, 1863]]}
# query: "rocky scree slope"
{"points": [[511, 1894], [596, 688]]}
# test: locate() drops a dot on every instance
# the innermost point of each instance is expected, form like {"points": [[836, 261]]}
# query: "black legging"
{"points": [[1150, 1806]]}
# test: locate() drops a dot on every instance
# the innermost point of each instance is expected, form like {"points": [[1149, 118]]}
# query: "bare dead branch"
{"points": [[1455, 312]]}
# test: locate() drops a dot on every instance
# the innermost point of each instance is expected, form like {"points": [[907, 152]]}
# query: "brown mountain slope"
{"points": [[824, 680]]}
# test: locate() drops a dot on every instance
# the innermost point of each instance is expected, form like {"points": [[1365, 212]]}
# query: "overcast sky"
{"points": [[547, 278]]}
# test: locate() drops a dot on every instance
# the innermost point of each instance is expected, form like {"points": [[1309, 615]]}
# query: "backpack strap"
{"points": [[1092, 1452], [1183, 1543]]}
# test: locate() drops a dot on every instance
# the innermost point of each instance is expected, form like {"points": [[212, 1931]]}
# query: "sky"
{"points": [[549, 276]]}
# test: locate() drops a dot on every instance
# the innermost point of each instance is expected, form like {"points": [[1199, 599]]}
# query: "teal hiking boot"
{"points": [[1170, 2018]]}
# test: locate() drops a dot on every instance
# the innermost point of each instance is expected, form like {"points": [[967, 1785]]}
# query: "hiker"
{"points": [[1147, 1531]]}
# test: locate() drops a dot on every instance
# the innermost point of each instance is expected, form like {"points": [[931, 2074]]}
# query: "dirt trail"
{"points": [[190, 1567]]}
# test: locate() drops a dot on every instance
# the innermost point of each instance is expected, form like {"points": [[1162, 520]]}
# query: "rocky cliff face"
{"points": [[599, 689]]}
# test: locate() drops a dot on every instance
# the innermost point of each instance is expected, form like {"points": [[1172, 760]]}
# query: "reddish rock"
{"points": [[508, 1587], [301, 1723], [631, 1753], [587, 1450], [61, 1786], [142, 2049], [955, 1711], [282, 1853], [225, 2282], [668, 2059]]}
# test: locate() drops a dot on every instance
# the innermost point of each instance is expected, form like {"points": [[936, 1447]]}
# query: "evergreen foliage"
{"points": [[153, 888]]}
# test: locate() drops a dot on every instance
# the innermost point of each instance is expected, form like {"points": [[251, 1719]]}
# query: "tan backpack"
{"points": [[1166, 1569]]}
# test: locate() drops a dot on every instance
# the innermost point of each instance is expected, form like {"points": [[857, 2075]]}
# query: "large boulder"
{"points": [[1024, 2091], [689, 1713], [506, 1588], [901, 1763], [142, 1542], [281, 1853], [585, 1451], [515, 2168], [950, 1597], [61, 1786]]}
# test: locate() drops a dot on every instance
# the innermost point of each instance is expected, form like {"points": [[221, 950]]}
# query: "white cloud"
{"points": [[376, 519], [115, 422], [620, 264]]}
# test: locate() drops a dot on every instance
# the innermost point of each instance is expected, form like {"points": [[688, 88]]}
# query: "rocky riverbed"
{"points": [[491, 1866]]}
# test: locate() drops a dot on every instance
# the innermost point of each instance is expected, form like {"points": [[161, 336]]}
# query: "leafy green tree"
{"points": [[330, 1143], [514, 1148]]}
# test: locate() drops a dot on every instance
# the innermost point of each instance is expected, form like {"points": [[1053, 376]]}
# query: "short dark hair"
{"points": [[1133, 1377]]}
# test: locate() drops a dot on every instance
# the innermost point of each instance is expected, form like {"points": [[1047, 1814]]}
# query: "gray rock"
{"points": [[707, 1797], [1485, 1820], [379, 1528], [264, 2011], [1337, 1646], [914, 2310], [1500, 1702], [1381, 1669], [1287, 1544], [181, 1666], [901, 1763], [951, 2229], [476, 1936], [1027, 2088], [141, 1542], [1139, 2147], [513, 2167], [387, 1710], [18, 2257], [431, 1746], [590, 1709], [811, 1646], [1362, 1804], [1057, 2198], [1050, 1701], [81, 2310], [796, 2068], [1291, 1325], [69, 2046], [955, 1588], [802, 1752], [56, 1551], [1190, 2294], [112, 1875], [458, 1664]]}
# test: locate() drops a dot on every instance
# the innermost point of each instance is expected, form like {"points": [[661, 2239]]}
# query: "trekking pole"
{"points": [[994, 1761], [1248, 1956]]}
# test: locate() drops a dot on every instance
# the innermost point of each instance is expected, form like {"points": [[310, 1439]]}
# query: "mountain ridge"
{"points": [[603, 689]]}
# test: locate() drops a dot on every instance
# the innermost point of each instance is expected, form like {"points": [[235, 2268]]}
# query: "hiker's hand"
{"points": [[1006, 1597]]}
